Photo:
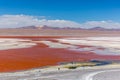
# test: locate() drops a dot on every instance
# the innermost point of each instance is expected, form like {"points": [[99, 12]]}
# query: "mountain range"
{"points": [[50, 27]]}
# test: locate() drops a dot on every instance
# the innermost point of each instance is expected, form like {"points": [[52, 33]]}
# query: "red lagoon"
{"points": [[41, 55]]}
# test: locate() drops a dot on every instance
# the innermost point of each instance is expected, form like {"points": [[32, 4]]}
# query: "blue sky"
{"points": [[85, 13], [75, 10]]}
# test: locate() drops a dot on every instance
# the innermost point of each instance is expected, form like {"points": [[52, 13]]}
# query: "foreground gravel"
{"points": [[77, 74]]}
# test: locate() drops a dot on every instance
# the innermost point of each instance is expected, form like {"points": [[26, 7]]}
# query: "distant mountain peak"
{"points": [[97, 28]]}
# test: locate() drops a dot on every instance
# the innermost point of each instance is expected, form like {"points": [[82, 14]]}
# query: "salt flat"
{"points": [[57, 45], [110, 44], [11, 43]]}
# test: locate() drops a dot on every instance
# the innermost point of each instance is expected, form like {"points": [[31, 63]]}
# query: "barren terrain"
{"points": [[55, 32]]}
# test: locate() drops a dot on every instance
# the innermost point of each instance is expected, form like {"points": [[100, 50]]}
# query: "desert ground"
{"points": [[55, 32], [47, 54]]}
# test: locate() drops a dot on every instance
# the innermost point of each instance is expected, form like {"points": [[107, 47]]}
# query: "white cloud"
{"points": [[104, 24], [11, 21], [59, 23]]}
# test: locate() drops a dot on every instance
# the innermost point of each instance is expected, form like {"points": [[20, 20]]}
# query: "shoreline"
{"points": [[67, 65], [52, 69]]}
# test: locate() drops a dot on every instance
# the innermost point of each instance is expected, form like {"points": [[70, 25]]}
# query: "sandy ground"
{"points": [[51, 73], [54, 32], [107, 75]]}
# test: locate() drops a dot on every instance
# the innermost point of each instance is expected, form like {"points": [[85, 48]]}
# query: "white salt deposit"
{"points": [[94, 41], [111, 44], [9, 43], [104, 38], [57, 45]]}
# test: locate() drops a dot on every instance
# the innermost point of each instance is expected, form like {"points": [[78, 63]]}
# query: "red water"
{"points": [[40, 55]]}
